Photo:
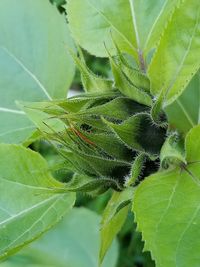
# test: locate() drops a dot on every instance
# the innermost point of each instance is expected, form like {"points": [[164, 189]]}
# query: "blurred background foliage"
{"points": [[62, 246]]}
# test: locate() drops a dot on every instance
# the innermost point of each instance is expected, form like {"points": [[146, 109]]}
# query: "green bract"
{"points": [[103, 133], [136, 133]]}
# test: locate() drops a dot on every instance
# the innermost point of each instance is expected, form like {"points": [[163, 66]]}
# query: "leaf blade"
{"points": [[170, 201], [174, 63], [40, 201], [37, 63], [100, 17]]}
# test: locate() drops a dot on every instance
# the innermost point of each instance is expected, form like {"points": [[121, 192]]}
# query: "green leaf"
{"points": [[167, 210], [97, 166], [143, 23], [97, 20], [136, 77], [119, 108], [138, 133], [31, 200], [126, 87], [34, 63], [83, 183], [42, 120], [91, 82], [74, 242], [111, 144], [184, 112], [114, 217], [172, 151], [149, 20], [175, 62], [136, 169]]}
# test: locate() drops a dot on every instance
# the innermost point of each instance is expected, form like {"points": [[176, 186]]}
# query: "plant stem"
{"points": [[142, 61]]}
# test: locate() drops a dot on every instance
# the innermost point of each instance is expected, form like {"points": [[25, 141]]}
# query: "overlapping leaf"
{"points": [[167, 210], [31, 201], [114, 217], [97, 19], [184, 112], [60, 246], [154, 16], [139, 133], [142, 24], [176, 59], [34, 63]]}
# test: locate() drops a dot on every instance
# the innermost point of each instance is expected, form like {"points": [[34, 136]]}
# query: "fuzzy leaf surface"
{"points": [[31, 200], [167, 210], [139, 133], [127, 88], [34, 63]]}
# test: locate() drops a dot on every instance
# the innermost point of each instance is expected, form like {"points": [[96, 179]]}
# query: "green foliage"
{"points": [[101, 136], [90, 81], [126, 87], [166, 206], [113, 218], [172, 152], [176, 58], [138, 132], [186, 107], [33, 55], [68, 244], [133, 133], [154, 17], [31, 200], [98, 20]]}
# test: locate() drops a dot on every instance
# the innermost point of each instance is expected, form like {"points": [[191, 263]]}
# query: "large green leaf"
{"points": [[177, 57], [184, 112], [74, 242], [167, 210], [34, 64], [96, 20], [31, 201], [149, 19], [143, 23]]}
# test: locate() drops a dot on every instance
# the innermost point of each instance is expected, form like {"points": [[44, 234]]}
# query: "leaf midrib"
{"points": [[154, 24], [187, 115], [9, 110], [168, 89], [46, 189], [21, 213], [113, 26], [135, 23], [43, 214], [17, 130]]}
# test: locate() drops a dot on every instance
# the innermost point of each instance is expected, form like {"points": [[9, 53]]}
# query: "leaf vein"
{"points": [[21, 64]]}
